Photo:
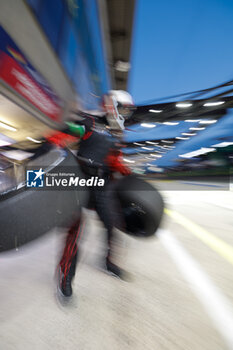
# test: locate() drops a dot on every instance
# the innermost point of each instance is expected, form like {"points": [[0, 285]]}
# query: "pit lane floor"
{"points": [[180, 294]]}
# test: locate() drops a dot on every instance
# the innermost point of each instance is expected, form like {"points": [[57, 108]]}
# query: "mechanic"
{"points": [[98, 155]]}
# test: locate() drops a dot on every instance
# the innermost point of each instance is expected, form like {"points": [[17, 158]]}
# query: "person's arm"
{"points": [[71, 131], [74, 129], [84, 127]]}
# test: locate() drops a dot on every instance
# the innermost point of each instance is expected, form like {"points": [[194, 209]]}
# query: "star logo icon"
{"points": [[35, 178], [39, 174]]}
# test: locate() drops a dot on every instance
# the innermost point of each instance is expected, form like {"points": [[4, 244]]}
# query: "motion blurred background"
{"points": [[175, 58]]}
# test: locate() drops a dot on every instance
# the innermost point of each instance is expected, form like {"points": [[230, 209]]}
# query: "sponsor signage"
{"points": [[18, 73]]}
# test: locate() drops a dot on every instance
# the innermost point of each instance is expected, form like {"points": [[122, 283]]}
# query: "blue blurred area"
{"points": [[140, 133], [219, 132], [74, 31]]}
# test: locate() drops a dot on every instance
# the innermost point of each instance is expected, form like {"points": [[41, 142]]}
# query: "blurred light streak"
{"points": [[183, 105], [198, 152], [148, 125], [155, 110], [8, 127], [210, 104]]}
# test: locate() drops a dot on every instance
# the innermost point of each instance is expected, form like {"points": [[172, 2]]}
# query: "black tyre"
{"points": [[141, 205]]}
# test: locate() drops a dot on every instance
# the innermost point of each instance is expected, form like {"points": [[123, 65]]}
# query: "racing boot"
{"points": [[115, 270], [65, 280]]}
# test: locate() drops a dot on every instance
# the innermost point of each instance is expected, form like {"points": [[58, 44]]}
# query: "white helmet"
{"points": [[125, 103], [118, 105]]}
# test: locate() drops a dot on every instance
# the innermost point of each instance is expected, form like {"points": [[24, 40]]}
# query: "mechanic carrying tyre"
{"points": [[119, 203]]}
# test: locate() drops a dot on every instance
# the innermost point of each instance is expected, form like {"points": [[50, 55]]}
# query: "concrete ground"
{"points": [[179, 296]]}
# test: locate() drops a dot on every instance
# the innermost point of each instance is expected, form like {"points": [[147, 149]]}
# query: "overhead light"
{"points": [[223, 144], [155, 110], [170, 123], [184, 104], [192, 120], [156, 155], [169, 147], [182, 138], [152, 143], [167, 141], [148, 148], [122, 66], [198, 152], [138, 144], [188, 134], [208, 121], [148, 125], [128, 160], [210, 104], [196, 128], [6, 126], [33, 140]]}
